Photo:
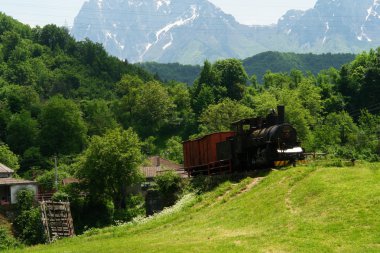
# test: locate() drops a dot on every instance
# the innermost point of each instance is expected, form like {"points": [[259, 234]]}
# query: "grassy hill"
{"points": [[303, 209]]}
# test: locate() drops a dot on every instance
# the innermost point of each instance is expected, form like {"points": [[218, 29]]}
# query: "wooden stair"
{"points": [[57, 219]]}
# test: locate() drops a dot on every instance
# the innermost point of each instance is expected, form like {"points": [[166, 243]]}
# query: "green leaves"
{"points": [[110, 164], [63, 130]]}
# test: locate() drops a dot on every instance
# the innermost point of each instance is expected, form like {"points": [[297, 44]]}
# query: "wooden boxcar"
{"points": [[200, 155]]}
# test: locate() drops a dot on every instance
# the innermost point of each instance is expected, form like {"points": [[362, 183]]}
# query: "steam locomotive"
{"points": [[254, 143]]}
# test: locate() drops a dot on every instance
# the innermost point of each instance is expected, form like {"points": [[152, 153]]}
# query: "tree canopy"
{"points": [[110, 165]]}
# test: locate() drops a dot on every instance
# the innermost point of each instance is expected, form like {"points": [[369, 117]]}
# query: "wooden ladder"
{"points": [[57, 220]]}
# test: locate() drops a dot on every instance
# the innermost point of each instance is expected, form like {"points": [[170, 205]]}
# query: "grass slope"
{"points": [[303, 209]]}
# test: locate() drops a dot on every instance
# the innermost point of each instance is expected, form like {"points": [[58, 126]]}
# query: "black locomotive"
{"points": [[255, 143]]}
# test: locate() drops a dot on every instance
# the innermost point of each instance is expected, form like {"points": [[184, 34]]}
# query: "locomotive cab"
{"points": [[261, 142]]}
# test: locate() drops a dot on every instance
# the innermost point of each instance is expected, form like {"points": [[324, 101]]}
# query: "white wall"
{"points": [[16, 188]]}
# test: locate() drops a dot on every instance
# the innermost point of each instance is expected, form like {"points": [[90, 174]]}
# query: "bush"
{"points": [[135, 207], [60, 196], [25, 200], [95, 213], [47, 180], [170, 186], [6, 241], [28, 227], [27, 224]]}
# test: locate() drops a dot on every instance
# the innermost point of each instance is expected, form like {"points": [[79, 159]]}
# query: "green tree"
{"points": [[169, 186], [173, 150], [338, 133], [63, 130], [219, 117], [54, 37], [230, 73], [22, 132], [110, 165], [98, 116], [154, 108], [20, 98], [47, 180], [8, 158], [27, 224]]}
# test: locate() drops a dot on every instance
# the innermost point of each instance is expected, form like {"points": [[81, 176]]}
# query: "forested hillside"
{"points": [[101, 117], [172, 71], [284, 62], [256, 65]]}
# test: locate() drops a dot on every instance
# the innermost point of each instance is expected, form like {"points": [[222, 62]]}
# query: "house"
{"points": [[158, 165], [10, 186]]}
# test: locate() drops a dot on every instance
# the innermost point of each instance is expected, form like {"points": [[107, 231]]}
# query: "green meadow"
{"points": [[313, 208]]}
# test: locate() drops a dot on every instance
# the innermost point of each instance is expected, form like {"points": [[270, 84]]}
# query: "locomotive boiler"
{"points": [[254, 143]]}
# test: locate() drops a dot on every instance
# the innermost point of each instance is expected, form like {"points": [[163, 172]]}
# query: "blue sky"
{"points": [[62, 12]]}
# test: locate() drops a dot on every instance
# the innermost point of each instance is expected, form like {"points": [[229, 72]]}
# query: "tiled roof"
{"points": [[158, 161], [149, 172], [69, 180], [14, 181], [5, 169]]}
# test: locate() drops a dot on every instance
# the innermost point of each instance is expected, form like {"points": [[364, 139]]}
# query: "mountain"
{"points": [[334, 26], [162, 30], [189, 32], [255, 65]]}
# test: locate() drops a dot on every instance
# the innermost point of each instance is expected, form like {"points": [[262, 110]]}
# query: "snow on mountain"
{"points": [[192, 31]]}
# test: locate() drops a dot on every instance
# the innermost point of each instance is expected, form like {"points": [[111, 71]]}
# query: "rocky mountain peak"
{"points": [[192, 31]]}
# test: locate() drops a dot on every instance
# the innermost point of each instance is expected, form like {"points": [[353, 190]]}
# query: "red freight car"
{"points": [[200, 155]]}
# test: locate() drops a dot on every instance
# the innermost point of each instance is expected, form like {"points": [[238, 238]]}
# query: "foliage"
{"points": [[220, 116], [358, 82], [169, 185], [8, 158], [256, 65], [135, 208], [22, 132], [172, 71], [98, 116], [47, 180], [285, 62], [28, 227], [27, 223], [110, 165], [63, 130], [173, 150], [7, 242], [146, 107], [25, 200], [60, 196]]}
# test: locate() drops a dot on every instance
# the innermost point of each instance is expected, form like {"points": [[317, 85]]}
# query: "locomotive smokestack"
{"points": [[281, 114]]}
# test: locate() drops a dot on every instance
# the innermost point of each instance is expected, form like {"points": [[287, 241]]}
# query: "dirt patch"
{"points": [[249, 186]]}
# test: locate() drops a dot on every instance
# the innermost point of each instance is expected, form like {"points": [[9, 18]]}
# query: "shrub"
{"points": [[60, 196], [28, 227], [135, 207], [6, 241], [47, 180], [27, 224], [170, 186], [25, 200]]}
